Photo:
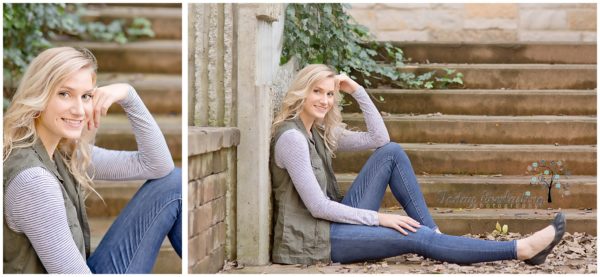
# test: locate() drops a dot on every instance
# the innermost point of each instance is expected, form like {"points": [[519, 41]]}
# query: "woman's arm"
{"points": [[377, 134], [34, 205], [151, 161], [291, 153]]}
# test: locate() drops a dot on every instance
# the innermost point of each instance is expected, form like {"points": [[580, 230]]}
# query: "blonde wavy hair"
{"points": [[42, 78], [293, 102]]}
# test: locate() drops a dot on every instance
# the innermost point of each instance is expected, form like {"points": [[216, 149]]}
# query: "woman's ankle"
{"points": [[523, 249]]}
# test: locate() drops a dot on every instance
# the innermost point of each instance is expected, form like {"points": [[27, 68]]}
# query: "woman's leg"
{"points": [[132, 243], [353, 243], [389, 164]]}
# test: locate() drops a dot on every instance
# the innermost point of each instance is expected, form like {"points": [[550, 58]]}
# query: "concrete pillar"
{"points": [[259, 34]]}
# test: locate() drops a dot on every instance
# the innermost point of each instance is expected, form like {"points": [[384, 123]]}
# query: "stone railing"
{"points": [[506, 22], [211, 197]]}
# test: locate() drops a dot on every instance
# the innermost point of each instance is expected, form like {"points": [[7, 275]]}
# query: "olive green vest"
{"points": [[19, 255], [298, 237]]}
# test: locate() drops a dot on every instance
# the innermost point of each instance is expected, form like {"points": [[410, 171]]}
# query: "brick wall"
{"points": [[211, 160], [507, 22]]}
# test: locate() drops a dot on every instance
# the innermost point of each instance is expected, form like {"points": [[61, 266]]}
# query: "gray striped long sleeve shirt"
{"points": [[33, 202]]}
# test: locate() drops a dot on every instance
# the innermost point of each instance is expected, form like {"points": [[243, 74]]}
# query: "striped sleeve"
{"points": [[151, 161], [34, 206], [376, 135]]}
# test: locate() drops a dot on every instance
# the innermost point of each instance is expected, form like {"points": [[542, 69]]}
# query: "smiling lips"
{"points": [[322, 109], [73, 123]]}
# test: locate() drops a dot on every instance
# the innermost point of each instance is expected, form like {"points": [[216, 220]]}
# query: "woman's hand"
{"points": [[398, 222], [104, 97], [346, 83]]}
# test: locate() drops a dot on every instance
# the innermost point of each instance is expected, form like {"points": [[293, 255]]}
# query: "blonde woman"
{"points": [[314, 223], [50, 163]]}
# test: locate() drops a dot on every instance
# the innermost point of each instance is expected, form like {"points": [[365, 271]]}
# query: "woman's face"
{"points": [[65, 115], [320, 99]]}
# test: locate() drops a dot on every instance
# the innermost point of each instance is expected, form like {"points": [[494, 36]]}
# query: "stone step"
{"points": [[528, 52], [167, 261], [161, 93], [150, 56], [475, 159], [564, 130], [524, 221], [115, 196], [115, 133], [166, 21], [486, 191], [512, 76], [482, 102]]}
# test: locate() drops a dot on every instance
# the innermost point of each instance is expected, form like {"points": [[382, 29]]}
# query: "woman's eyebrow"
{"points": [[72, 89]]}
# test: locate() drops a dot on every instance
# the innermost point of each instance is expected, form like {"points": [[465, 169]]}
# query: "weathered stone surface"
{"points": [[218, 210], [219, 161], [480, 102], [213, 187], [491, 10], [445, 19], [404, 6], [469, 35], [403, 36], [582, 19], [399, 20], [543, 20], [589, 36], [489, 191], [192, 194], [564, 130], [491, 24], [362, 6], [209, 139], [480, 159], [202, 218], [518, 76], [549, 36], [487, 53]]}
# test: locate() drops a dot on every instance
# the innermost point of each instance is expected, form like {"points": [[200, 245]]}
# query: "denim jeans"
{"points": [[132, 243], [352, 243]]}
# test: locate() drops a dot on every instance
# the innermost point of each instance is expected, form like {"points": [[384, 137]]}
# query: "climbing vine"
{"points": [[29, 28], [325, 33]]}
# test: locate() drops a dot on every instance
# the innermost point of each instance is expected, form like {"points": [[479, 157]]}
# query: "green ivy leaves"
{"points": [[29, 27], [324, 33]]}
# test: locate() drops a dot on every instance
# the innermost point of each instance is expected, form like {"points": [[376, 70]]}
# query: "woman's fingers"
{"points": [[399, 229]]}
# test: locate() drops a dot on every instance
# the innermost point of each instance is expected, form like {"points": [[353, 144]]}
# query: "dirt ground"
{"points": [[576, 254]]}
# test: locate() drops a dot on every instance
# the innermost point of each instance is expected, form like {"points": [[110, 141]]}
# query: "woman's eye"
{"points": [[330, 93], [316, 91], [63, 94], [87, 97]]}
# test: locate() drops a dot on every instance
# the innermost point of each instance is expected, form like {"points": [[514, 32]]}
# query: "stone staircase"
{"points": [[153, 67], [470, 147]]}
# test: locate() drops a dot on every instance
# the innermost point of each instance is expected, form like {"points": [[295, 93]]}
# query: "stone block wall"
{"points": [[211, 197], [506, 22]]}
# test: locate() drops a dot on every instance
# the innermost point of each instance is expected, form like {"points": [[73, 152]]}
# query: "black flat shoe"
{"points": [[559, 225]]}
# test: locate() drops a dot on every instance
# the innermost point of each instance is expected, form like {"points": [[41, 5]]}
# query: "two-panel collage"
{"points": [[297, 138]]}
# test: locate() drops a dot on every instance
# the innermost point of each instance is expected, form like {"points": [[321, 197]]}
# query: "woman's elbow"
{"points": [[382, 140], [162, 170]]}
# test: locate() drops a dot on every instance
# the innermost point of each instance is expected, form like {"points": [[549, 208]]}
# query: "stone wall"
{"points": [[210, 192], [234, 74], [507, 22]]}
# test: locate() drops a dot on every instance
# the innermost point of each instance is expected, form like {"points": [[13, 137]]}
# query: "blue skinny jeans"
{"points": [[133, 241], [389, 164]]}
